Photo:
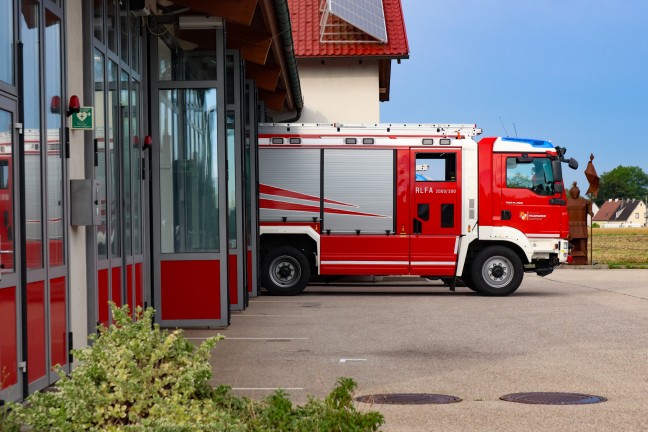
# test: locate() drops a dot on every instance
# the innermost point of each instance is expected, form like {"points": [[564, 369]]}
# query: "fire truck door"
{"points": [[529, 201], [435, 213]]}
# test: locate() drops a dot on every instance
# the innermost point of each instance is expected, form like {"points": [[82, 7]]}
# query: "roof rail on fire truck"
{"points": [[468, 130]]}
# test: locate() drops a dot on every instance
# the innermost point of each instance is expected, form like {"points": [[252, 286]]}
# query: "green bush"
{"points": [[596, 225], [137, 377]]}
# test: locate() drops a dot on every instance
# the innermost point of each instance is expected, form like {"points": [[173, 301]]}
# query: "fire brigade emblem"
{"points": [[524, 216]]}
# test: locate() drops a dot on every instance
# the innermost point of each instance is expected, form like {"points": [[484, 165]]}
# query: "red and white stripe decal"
{"points": [[281, 205], [272, 204], [271, 190]]}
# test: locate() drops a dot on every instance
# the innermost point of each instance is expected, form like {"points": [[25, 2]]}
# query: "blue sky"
{"points": [[574, 72]]}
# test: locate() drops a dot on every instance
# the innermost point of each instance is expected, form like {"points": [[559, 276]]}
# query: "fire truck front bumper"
{"points": [[548, 255]]}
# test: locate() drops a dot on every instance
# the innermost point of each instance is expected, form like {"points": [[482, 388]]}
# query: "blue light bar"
{"points": [[533, 142]]}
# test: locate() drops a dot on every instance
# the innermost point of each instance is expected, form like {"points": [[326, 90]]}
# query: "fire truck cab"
{"points": [[422, 199]]}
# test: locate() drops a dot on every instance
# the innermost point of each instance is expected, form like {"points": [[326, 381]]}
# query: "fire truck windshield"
{"points": [[536, 175]]}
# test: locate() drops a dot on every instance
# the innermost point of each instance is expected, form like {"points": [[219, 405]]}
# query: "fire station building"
{"points": [[128, 153]]}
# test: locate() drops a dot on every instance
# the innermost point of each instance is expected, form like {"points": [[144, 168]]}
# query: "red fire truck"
{"points": [[422, 199]]}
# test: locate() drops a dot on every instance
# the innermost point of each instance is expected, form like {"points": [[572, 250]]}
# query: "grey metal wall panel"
{"points": [[362, 184], [296, 171]]}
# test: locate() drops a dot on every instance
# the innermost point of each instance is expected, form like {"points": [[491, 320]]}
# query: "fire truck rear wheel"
{"points": [[496, 271], [285, 271]]}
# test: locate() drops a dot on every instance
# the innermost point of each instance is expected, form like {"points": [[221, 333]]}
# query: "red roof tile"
{"points": [[305, 20], [607, 211]]}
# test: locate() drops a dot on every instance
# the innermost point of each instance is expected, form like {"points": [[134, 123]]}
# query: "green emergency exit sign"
{"points": [[84, 119]]}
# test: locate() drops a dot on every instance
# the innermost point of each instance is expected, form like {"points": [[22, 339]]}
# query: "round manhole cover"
{"points": [[408, 399], [555, 398]]}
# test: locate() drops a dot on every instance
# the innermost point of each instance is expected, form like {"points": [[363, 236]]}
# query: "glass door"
{"points": [[189, 181], [10, 314]]}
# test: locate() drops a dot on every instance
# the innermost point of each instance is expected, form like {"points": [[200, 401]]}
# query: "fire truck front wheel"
{"points": [[496, 271], [285, 271]]}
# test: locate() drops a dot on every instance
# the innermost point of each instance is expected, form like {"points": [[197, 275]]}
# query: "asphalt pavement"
{"points": [[576, 331]]}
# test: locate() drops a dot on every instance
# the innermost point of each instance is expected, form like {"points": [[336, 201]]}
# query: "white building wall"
{"points": [[339, 91], [77, 245]]}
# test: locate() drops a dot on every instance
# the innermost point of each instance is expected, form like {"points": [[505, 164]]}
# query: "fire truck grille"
{"points": [[408, 399], [556, 398]]}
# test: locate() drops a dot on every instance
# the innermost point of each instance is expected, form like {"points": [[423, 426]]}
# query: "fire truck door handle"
{"points": [[557, 201], [506, 215]]}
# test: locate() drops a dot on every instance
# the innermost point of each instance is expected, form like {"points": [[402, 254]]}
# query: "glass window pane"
{"points": [[229, 81], [30, 27], [114, 224], [536, 176], [124, 20], [111, 25], [100, 137], [231, 179], [437, 167], [188, 171], [7, 226], [183, 60], [98, 19], [250, 112], [6, 42], [137, 167], [135, 42], [125, 116], [54, 124]]}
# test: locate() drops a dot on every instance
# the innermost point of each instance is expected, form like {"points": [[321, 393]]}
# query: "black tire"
{"points": [[496, 271], [285, 271]]}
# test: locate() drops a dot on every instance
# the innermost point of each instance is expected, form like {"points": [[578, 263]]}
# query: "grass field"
{"points": [[620, 247]]}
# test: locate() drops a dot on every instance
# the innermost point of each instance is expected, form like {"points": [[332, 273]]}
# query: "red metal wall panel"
{"points": [[9, 339], [233, 280], [116, 294], [58, 322], [36, 349], [102, 296], [139, 285], [190, 290], [129, 288]]}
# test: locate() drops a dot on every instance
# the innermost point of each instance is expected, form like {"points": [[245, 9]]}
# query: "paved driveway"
{"points": [[580, 331]]}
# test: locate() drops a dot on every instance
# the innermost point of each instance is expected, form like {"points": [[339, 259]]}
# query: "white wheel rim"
{"points": [[498, 271]]}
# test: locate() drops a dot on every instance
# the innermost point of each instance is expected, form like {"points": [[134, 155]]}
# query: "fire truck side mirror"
{"points": [[573, 163]]}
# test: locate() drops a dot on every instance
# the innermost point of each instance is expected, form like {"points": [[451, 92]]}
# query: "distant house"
{"points": [[595, 210], [619, 213]]}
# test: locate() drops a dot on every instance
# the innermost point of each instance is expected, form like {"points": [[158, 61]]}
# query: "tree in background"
{"points": [[623, 182]]}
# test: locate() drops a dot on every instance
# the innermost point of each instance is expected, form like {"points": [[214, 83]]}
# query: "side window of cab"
{"points": [[534, 174]]}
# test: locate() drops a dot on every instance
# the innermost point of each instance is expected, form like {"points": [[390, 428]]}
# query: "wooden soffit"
{"points": [[238, 11], [266, 77], [255, 46], [273, 100]]}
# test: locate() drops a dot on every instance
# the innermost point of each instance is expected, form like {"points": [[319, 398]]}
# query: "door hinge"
{"points": [[23, 366], [19, 127]]}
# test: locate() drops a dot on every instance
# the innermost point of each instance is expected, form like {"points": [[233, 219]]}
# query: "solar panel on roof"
{"points": [[367, 15]]}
